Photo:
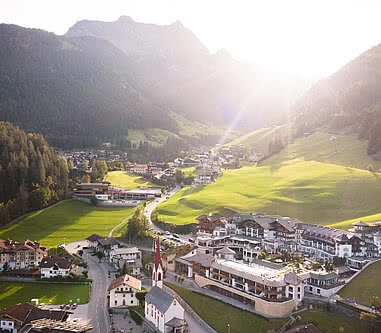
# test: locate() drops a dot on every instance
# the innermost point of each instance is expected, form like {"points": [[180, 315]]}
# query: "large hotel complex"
{"points": [[229, 258]]}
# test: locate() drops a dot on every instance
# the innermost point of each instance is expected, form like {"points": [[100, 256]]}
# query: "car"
{"points": [[168, 233], [75, 320], [74, 306], [176, 236], [62, 306], [67, 306]]}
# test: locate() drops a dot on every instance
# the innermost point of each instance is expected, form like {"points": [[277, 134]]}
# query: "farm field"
{"points": [[364, 286], [67, 222], [241, 321], [313, 192], [320, 147], [123, 179], [12, 293], [330, 322], [154, 136]]}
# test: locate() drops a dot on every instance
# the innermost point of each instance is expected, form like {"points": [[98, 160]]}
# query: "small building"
{"points": [[52, 267], [107, 245], [93, 239], [122, 291], [131, 256]]}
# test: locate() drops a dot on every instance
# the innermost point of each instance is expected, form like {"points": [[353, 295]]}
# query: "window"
{"points": [[159, 276], [124, 302], [291, 289], [318, 290], [298, 289], [132, 301], [310, 288], [116, 302]]}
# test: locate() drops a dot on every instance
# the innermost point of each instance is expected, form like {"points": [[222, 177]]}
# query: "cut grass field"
{"points": [[314, 192], [320, 147], [219, 315], [154, 136], [330, 322], [12, 293], [364, 286], [67, 222], [123, 179]]}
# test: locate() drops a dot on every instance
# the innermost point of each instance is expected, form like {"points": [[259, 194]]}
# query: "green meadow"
{"points": [[67, 222], [320, 147], [12, 293], [239, 320], [314, 192], [364, 286], [123, 179]]}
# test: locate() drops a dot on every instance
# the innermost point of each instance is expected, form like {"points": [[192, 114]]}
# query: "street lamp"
{"points": [[228, 328]]}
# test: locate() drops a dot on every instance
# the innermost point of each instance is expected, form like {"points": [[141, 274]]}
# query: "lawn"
{"points": [[314, 192], [364, 286], [218, 314], [330, 322], [12, 293], [70, 221], [154, 136], [123, 179], [320, 147]]}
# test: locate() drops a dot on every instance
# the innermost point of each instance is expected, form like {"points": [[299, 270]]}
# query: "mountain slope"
{"points": [[350, 97], [71, 89]]}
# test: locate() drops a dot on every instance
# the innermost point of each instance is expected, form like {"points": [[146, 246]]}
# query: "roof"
{"points": [[225, 250], [342, 269], [19, 311], [51, 261], [126, 280], [360, 224], [94, 237], [175, 322], [28, 245], [157, 256], [292, 278], [204, 259], [125, 250], [108, 241], [309, 328], [324, 277], [159, 298]]}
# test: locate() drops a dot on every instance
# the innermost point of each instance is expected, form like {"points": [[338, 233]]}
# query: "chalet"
{"points": [[162, 309], [52, 267], [21, 255], [93, 239], [107, 245], [122, 291]]}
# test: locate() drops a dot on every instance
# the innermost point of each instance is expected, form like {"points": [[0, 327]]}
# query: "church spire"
{"points": [[157, 274]]}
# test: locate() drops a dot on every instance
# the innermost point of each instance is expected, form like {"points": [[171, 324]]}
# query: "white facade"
{"points": [[8, 325], [132, 256], [54, 271], [159, 319], [123, 296]]}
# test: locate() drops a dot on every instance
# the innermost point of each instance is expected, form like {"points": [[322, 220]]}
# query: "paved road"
{"points": [[98, 314]]}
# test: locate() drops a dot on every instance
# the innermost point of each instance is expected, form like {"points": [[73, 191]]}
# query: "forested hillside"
{"points": [[349, 98], [75, 91], [32, 175]]}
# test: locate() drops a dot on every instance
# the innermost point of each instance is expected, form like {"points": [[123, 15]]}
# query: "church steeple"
{"points": [[157, 274]]}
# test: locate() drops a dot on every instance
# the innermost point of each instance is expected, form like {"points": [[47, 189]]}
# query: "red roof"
{"points": [[157, 255]]}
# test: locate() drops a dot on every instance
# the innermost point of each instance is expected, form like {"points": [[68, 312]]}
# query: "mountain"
{"points": [[350, 98], [71, 89], [177, 71], [102, 78]]}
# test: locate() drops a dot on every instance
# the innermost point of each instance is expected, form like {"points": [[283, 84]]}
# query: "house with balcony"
{"points": [[131, 256], [53, 267], [122, 291]]}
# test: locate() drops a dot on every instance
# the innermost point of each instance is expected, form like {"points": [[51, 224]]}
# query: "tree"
{"points": [[85, 274], [40, 197], [100, 255], [376, 302], [126, 269], [141, 295], [85, 165], [341, 330], [70, 164], [5, 267], [98, 171]]}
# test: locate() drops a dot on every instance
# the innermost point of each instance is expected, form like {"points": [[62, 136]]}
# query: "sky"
{"points": [[303, 37]]}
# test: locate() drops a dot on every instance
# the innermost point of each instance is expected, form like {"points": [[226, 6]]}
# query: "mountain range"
{"points": [[102, 78]]}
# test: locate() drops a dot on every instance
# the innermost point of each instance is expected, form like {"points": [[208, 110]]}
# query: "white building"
{"points": [[162, 309], [122, 291], [130, 255], [52, 267]]}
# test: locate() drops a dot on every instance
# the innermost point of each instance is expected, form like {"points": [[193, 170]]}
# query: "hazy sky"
{"points": [[299, 36]]}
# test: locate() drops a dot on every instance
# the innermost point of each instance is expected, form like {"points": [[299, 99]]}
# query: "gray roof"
{"points": [[175, 322], [51, 261], [323, 277], [159, 298], [108, 241], [226, 250], [292, 278]]}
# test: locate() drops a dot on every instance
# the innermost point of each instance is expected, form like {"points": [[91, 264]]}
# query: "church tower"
{"points": [[157, 274]]}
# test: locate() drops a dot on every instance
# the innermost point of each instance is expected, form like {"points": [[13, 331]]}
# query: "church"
{"points": [[162, 309]]}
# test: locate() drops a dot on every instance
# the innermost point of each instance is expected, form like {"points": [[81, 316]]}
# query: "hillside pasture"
{"points": [[364, 286], [314, 192], [346, 150], [126, 180], [67, 222]]}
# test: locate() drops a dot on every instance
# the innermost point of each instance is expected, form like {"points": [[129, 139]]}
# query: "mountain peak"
{"points": [[124, 19]]}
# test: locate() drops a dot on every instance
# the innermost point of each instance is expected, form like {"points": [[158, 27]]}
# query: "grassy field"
{"points": [[330, 322], [70, 221], [12, 293], [320, 147], [260, 139], [348, 223], [123, 179], [154, 136], [364, 286], [219, 315], [314, 192]]}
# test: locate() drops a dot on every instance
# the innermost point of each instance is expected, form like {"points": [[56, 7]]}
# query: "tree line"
{"points": [[32, 175]]}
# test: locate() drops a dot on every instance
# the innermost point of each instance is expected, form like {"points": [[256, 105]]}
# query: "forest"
{"points": [[32, 175]]}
